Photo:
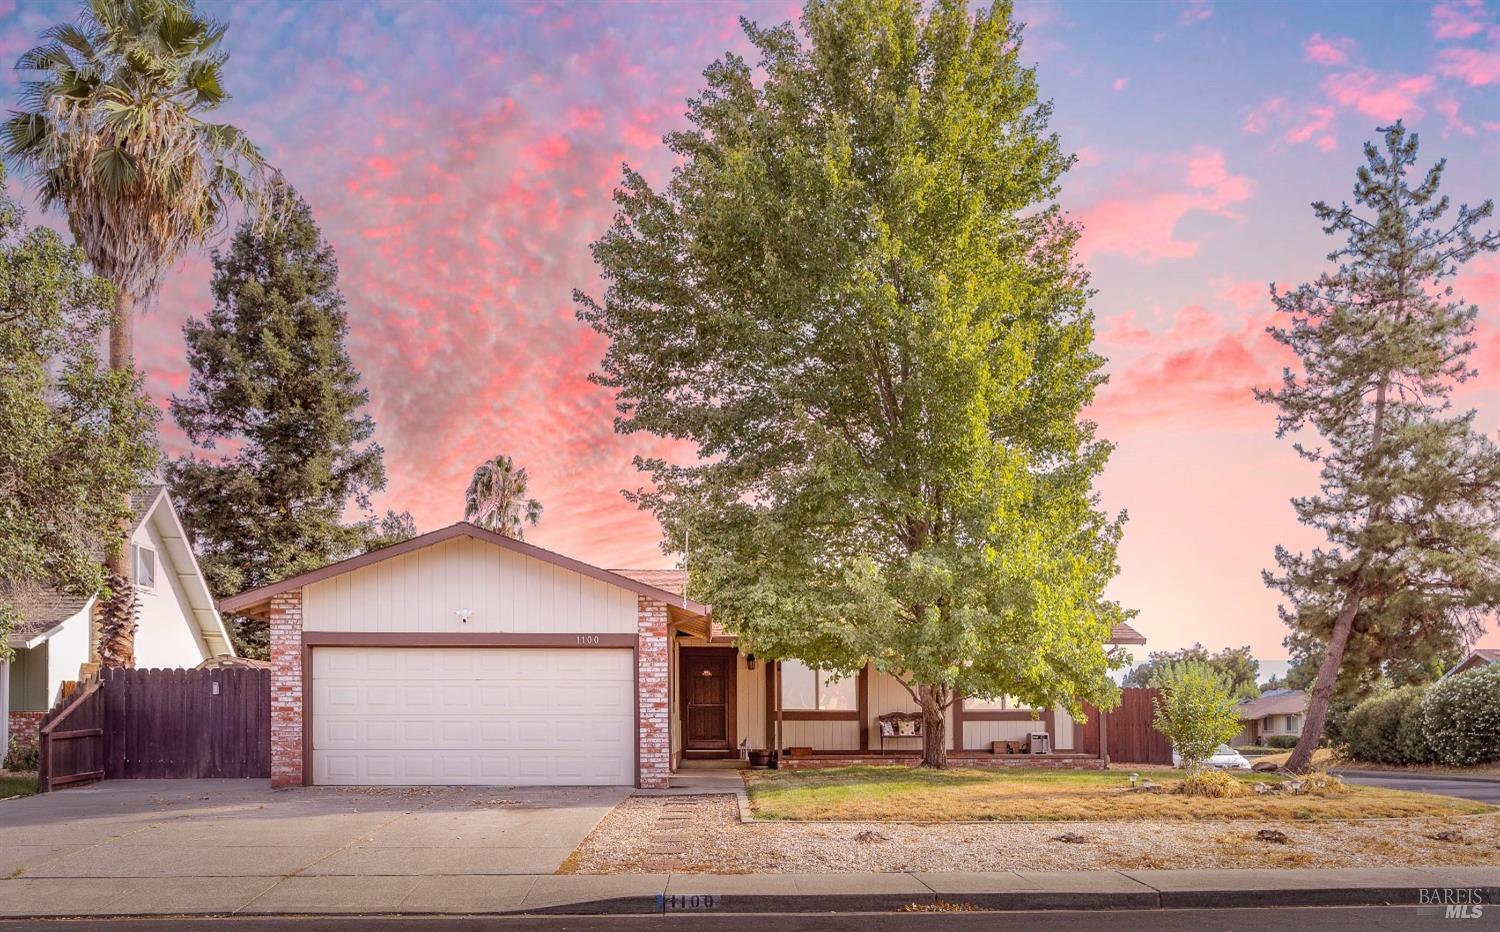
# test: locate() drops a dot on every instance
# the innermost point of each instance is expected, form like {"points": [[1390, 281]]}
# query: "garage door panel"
{"points": [[473, 715]]}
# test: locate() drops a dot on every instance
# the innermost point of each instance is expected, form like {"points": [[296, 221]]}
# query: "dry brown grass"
{"points": [[895, 794]]}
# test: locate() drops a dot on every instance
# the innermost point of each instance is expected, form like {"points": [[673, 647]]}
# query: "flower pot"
{"points": [[760, 760]]}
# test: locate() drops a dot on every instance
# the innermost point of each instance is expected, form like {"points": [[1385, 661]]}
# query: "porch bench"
{"points": [[899, 725]]}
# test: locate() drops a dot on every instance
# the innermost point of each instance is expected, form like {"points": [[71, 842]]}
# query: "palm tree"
{"points": [[112, 130], [497, 500]]}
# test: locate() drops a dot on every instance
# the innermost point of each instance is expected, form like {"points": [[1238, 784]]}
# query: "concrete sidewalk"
{"points": [[582, 894]]}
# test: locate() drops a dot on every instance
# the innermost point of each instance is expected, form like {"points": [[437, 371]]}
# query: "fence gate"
{"points": [[135, 724], [1130, 735]]}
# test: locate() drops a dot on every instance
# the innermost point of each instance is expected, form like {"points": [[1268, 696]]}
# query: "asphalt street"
{"points": [[1326, 919], [1475, 788]]}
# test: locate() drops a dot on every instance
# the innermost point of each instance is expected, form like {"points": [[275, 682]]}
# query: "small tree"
{"points": [[391, 529], [75, 438], [1195, 711]]}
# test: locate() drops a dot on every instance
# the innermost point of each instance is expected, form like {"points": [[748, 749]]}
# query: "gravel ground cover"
{"points": [[704, 834]]}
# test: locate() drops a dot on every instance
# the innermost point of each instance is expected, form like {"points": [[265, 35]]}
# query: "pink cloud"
{"points": [[1385, 97], [1330, 51], [1259, 119], [1475, 67], [1245, 294], [1458, 19], [1139, 217], [1118, 85]]}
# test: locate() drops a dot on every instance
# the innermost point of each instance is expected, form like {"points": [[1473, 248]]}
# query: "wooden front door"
{"points": [[708, 699]]}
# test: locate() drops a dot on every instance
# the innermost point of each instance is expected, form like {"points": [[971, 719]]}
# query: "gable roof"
{"points": [[1280, 702], [257, 602], [43, 608]]}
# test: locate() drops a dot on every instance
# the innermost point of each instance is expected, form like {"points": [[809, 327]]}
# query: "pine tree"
{"points": [[272, 382], [1410, 493]]}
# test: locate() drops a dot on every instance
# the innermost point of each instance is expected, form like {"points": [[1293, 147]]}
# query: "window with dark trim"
{"points": [[806, 689]]}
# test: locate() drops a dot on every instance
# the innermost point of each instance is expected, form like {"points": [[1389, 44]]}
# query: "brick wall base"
{"points": [[23, 733], [286, 689]]}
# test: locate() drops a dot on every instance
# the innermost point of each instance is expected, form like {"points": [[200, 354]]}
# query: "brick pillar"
{"points": [[286, 689], [653, 715]]}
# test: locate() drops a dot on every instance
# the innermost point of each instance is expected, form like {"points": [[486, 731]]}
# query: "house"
{"points": [[179, 624], [1277, 713], [465, 657], [1481, 657]]}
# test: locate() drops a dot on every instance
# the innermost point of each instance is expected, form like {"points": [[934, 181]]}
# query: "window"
{"points": [[803, 688], [145, 566]]}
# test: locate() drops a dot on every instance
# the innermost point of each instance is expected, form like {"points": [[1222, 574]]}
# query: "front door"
{"points": [[708, 697]]}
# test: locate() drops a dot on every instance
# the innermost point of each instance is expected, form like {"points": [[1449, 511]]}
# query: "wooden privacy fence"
{"points": [[135, 724], [1131, 736]]}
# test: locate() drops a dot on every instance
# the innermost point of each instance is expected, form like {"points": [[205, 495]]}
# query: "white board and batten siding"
{"points": [[504, 591]]}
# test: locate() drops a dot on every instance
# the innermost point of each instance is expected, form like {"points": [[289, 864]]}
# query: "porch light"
{"points": [[749, 661]]}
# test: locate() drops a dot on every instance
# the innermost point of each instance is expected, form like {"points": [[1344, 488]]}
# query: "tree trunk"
{"points": [[114, 636], [1300, 760], [934, 702]]}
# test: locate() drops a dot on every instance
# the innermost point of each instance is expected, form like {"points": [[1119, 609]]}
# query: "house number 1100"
{"points": [[588, 639]]}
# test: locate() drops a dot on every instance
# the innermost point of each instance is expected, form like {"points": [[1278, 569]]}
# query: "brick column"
{"points": [[286, 689], [653, 714]]}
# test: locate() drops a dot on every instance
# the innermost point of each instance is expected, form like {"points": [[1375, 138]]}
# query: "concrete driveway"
{"points": [[235, 845], [1479, 789]]}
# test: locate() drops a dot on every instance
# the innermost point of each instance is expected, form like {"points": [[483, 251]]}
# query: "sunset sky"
{"points": [[460, 158]]}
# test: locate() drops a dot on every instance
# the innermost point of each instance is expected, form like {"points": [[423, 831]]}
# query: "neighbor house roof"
{"points": [[43, 608], [1479, 657], [1282, 702], [257, 602]]}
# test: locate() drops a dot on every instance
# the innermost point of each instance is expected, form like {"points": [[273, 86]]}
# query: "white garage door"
{"points": [[502, 716]]}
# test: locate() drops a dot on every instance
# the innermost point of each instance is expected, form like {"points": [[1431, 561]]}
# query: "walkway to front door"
{"points": [[708, 688]]}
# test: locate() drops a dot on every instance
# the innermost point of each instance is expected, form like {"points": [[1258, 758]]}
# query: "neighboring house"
{"points": [[462, 656], [179, 625], [1277, 713], [1481, 657]]}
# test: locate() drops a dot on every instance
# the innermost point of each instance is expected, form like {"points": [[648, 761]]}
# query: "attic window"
{"points": [[145, 566]]}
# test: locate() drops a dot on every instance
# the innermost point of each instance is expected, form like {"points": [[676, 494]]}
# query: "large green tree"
{"points": [[275, 409], [75, 437], [1409, 499], [113, 129], [1236, 665], [858, 298]]}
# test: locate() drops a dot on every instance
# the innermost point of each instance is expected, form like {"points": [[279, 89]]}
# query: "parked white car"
{"points": [[1225, 758]]}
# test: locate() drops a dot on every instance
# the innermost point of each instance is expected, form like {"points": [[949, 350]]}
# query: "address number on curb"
{"points": [[676, 903]]}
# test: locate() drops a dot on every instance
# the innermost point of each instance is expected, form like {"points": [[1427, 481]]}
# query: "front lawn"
{"points": [[893, 794], [15, 784]]}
